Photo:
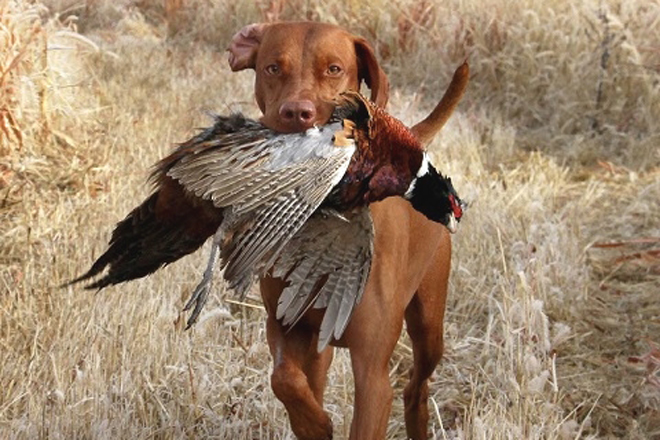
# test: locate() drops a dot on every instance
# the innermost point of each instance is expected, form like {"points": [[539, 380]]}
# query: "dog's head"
{"points": [[302, 67]]}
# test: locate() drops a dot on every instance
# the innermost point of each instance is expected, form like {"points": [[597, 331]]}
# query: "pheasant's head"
{"points": [[399, 160], [433, 195]]}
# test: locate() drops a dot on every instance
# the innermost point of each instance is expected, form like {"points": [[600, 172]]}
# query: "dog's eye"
{"points": [[334, 70], [272, 69]]}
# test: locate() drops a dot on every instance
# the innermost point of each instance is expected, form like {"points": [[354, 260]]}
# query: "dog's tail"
{"points": [[431, 125]]}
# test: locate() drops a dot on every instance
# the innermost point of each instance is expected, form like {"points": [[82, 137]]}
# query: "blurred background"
{"points": [[553, 321]]}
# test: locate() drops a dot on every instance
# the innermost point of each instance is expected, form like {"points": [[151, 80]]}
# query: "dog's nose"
{"points": [[298, 114]]}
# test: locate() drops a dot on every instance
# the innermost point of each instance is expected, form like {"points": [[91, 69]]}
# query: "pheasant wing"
{"points": [[254, 240], [255, 167], [326, 264], [268, 184]]}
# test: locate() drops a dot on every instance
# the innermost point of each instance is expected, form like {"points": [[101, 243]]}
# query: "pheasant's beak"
{"points": [[458, 206], [452, 224]]}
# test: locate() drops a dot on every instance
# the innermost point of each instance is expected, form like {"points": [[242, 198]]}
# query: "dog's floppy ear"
{"points": [[371, 72], [244, 46]]}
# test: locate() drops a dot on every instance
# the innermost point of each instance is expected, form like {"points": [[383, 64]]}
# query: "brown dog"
{"points": [[300, 68]]}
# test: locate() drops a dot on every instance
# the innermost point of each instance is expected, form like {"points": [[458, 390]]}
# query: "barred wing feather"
{"points": [[268, 188], [327, 264], [251, 175]]}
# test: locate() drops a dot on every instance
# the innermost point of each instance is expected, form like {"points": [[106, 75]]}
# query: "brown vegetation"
{"points": [[552, 328]]}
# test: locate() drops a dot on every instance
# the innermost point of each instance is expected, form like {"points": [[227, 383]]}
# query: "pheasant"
{"points": [[295, 204]]}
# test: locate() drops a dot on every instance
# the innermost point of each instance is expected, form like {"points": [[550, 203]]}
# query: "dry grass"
{"points": [[552, 328]]}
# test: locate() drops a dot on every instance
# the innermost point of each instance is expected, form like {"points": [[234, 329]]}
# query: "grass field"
{"points": [[553, 322]]}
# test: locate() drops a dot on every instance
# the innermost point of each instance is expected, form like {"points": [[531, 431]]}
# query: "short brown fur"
{"points": [[295, 86]]}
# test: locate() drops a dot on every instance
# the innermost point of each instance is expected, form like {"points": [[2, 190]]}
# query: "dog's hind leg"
{"points": [[424, 321]]}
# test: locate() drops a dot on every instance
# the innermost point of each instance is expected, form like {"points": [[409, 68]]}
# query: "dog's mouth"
{"points": [[277, 120], [280, 126]]}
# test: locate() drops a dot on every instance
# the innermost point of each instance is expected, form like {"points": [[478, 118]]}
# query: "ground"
{"points": [[552, 327]]}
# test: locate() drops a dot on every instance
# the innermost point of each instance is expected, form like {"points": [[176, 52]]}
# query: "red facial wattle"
{"points": [[455, 207]]}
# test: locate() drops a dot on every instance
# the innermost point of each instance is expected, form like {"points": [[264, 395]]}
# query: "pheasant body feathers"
{"points": [[296, 203]]}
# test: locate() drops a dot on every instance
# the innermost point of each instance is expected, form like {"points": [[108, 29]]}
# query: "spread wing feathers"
{"points": [[254, 174], [268, 187], [253, 242], [326, 264]]}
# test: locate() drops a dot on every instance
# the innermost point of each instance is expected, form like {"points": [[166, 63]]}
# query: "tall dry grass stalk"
{"points": [[21, 46], [551, 329]]}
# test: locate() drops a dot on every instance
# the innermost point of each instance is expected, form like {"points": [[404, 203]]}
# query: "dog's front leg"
{"points": [[372, 336], [299, 371]]}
